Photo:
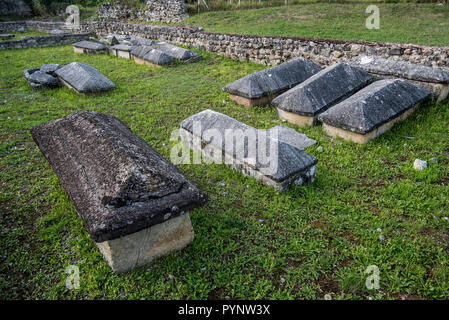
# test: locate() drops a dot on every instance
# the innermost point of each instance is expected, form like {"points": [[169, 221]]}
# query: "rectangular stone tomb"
{"points": [[183, 55], [261, 87], [134, 203], [302, 104], [89, 47], [138, 52], [156, 57], [83, 78], [121, 51], [432, 79], [373, 110], [256, 153]]}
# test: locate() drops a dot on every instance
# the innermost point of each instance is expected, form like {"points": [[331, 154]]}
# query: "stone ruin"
{"points": [[43, 77], [168, 11], [134, 203]]}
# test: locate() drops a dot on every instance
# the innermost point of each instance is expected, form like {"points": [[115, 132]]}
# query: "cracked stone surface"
{"points": [[375, 105], [84, 78], [118, 184], [323, 90], [279, 164], [273, 80]]}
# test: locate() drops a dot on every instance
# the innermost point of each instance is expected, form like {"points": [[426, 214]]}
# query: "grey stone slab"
{"points": [[175, 51], [122, 47], [50, 68], [401, 69], [84, 78], [90, 45], [118, 184], [375, 105], [38, 79], [155, 56], [273, 80], [140, 51], [323, 90], [251, 151], [291, 137]]}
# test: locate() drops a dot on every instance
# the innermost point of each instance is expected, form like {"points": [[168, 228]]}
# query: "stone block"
{"points": [[121, 51]]}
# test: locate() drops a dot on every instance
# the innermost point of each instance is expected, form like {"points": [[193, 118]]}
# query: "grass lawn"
{"points": [[426, 24], [368, 205]]}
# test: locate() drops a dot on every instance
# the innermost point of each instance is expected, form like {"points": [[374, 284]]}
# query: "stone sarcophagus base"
{"points": [[141, 248]]}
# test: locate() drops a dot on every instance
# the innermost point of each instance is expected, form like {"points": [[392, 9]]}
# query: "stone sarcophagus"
{"points": [[134, 203], [302, 104], [373, 110], [259, 88], [267, 155]]}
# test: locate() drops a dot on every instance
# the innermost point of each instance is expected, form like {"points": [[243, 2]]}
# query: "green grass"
{"points": [[426, 24], [320, 238]]}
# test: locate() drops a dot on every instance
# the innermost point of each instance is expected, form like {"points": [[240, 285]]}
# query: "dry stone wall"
{"points": [[264, 49], [168, 11], [43, 41]]}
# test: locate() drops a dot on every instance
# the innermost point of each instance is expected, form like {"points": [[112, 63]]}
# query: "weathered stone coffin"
{"points": [[261, 87], [84, 78], [89, 47], [121, 51], [433, 79], [253, 152], [156, 57], [132, 201], [302, 104], [138, 52], [176, 52], [373, 110]]}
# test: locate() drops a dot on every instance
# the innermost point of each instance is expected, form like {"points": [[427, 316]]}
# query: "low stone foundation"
{"points": [[142, 247]]}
